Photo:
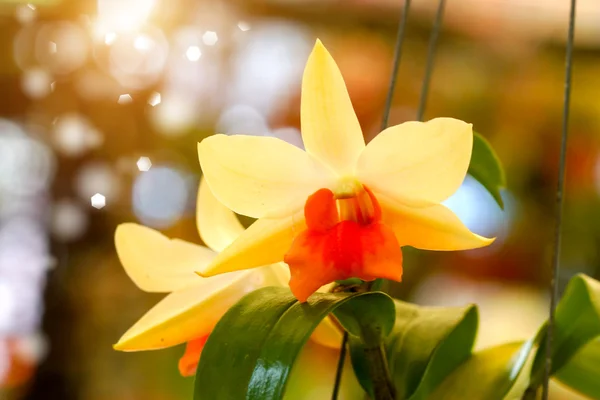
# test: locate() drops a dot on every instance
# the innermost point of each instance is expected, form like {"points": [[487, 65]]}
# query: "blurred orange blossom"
{"points": [[194, 305]]}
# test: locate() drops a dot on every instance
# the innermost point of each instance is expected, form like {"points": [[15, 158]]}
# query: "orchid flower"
{"points": [[341, 208], [194, 305]]}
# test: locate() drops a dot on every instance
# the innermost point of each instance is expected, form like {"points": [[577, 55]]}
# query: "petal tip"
{"points": [[319, 49], [119, 346], [488, 241], [483, 241], [202, 274]]}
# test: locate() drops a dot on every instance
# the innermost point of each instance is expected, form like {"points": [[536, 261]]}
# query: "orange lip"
{"points": [[357, 245]]}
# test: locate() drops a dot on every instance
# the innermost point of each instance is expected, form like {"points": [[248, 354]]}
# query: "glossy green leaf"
{"points": [[577, 322], [486, 167], [582, 372], [251, 351], [489, 374], [426, 344]]}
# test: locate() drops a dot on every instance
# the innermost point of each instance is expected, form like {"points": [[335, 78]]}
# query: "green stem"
{"points": [[530, 394], [375, 357], [383, 388]]}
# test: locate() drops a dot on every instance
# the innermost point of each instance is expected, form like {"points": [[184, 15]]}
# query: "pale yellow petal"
{"points": [[192, 312], [418, 162], [330, 128], [313, 376], [218, 226], [328, 334], [265, 242], [156, 263], [255, 176], [428, 228], [281, 274]]}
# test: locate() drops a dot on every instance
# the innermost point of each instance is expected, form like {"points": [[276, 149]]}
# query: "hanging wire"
{"points": [[396, 66], [433, 40], [340, 367], [384, 123], [558, 217]]}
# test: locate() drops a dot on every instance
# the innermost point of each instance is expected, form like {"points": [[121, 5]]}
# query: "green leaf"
{"points": [[497, 369], [486, 167], [252, 349], [425, 345], [582, 372], [489, 374], [577, 322], [460, 328]]}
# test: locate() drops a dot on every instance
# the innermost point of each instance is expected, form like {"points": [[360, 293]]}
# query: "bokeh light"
{"points": [[269, 65], [97, 177], [74, 135], [36, 82], [69, 220], [123, 15], [210, 38], [136, 60], [26, 13], [175, 114], [242, 119], [144, 164], [98, 201], [154, 99], [161, 196], [62, 47], [125, 99], [193, 53], [27, 165]]}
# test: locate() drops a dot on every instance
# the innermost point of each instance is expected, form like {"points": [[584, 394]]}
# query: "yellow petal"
{"points": [[265, 242], [428, 228], [192, 312], [280, 273], [313, 376], [156, 263], [330, 128], [217, 225], [418, 162], [328, 334], [256, 175]]}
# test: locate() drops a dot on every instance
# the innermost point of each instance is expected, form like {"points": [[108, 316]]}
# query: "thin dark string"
{"points": [[433, 40], [558, 217], [384, 123], [396, 65], [340, 367]]}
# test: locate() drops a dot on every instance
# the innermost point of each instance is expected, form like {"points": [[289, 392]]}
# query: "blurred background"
{"points": [[103, 102]]}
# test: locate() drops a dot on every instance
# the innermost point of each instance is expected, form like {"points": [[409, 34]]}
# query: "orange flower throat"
{"points": [[344, 239]]}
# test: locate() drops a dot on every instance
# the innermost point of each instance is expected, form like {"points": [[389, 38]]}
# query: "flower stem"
{"points": [[383, 388], [558, 212], [340, 367], [530, 394]]}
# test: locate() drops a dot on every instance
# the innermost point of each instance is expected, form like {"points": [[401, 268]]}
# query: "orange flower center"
{"points": [[345, 239]]}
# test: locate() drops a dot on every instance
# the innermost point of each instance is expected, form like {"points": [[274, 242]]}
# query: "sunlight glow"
{"points": [[123, 15]]}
